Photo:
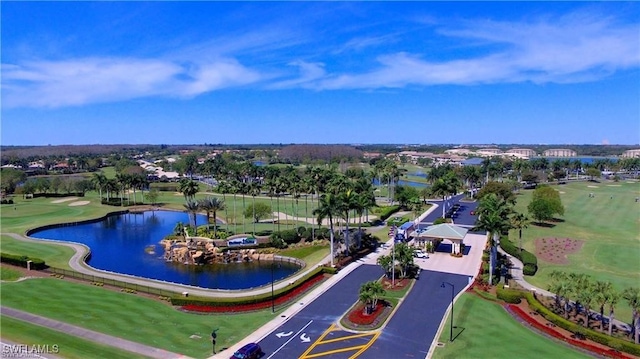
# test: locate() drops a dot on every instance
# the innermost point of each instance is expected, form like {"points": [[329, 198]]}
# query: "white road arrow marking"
{"points": [[290, 339], [305, 338], [283, 334]]}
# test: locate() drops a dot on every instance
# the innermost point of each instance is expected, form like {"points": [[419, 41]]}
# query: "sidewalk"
{"points": [[90, 335], [518, 275]]}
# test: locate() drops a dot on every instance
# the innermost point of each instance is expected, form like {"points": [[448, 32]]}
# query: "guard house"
{"points": [[445, 231], [405, 230]]}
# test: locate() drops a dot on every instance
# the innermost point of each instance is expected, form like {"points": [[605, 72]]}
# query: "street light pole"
{"points": [[452, 297]]}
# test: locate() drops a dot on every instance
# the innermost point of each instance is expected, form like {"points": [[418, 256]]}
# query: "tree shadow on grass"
{"points": [[543, 224], [556, 220]]}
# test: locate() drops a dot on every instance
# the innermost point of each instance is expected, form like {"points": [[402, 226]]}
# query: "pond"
{"points": [[119, 243]]}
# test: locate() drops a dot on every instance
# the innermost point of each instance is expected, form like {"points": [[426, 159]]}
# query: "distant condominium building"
{"points": [[559, 152], [631, 153], [522, 151]]}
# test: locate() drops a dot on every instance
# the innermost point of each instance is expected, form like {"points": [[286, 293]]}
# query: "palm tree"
{"points": [[192, 208], [632, 296], [614, 297], [561, 286], [347, 202], [493, 217], [441, 189], [328, 207], [254, 191], [369, 294], [585, 294], [215, 204], [366, 297], [234, 188], [99, 180], [385, 261], [519, 221], [189, 188], [603, 292]]}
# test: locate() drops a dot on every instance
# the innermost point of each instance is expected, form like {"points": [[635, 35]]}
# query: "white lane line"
{"points": [[290, 339]]}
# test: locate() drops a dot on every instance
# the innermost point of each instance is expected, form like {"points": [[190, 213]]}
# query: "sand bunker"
{"points": [[614, 185], [592, 186], [64, 200], [555, 250], [79, 203]]}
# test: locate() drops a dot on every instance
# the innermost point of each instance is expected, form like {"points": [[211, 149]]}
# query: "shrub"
{"points": [[439, 220], [529, 269], [7, 201], [36, 263], [529, 259], [509, 295], [386, 212]]}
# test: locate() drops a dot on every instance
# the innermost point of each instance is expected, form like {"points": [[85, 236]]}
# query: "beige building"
{"points": [[559, 152], [522, 151], [631, 153]]}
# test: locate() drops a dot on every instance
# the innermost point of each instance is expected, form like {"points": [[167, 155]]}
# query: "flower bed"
{"points": [[611, 353], [283, 299], [358, 317]]}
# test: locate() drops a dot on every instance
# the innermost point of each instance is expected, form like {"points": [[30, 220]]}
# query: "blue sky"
{"points": [[320, 72]]}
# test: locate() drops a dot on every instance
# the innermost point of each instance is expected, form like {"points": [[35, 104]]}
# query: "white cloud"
{"points": [[98, 80], [575, 48]]}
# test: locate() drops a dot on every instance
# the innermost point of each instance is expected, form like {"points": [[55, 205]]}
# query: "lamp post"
{"points": [[452, 297]]}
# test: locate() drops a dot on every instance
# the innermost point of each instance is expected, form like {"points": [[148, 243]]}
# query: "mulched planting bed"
{"points": [[283, 299], [358, 318], [400, 284], [555, 250], [533, 320]]}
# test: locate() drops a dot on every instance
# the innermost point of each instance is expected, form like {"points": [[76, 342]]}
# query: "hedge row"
{"points": [[386, 212], [602, 338], [14, 259], [509, 295], [529, 259], [230, 302]]}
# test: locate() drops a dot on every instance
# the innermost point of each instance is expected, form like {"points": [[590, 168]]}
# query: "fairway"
{"points": [[608, 225], [138, 319], [485, 330]]}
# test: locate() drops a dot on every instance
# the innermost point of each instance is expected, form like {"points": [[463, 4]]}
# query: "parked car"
{"points": [[420, 254], [249, 351]]}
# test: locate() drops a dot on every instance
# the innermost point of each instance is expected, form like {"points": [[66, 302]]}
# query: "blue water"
{"points": [[585, 160], [376, 182], [118, 244]]}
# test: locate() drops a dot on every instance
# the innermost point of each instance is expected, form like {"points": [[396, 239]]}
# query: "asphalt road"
{"points": [[463, 217], [409, 334]]}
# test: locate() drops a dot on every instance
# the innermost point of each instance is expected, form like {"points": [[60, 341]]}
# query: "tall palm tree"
{"points": [[441, 189], [99, 180], [189, 188], [347, 202], [602, 294], [328, 207], [632, 296], [519, 221], [614, 297], [223, 188], [254, 191], [234, 188], [215, 204], [493, 217], [192, 208]]}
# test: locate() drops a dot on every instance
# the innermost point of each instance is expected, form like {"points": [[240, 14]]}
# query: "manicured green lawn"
{"points": [[484, 329], [9, 274], [128, 316], [69, 346], [609, 225]]}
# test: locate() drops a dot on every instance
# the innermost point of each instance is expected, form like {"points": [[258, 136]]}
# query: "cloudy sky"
{"points": [[320, 72]]}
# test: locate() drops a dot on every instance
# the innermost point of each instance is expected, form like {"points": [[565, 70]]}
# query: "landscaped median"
{"points": [[359, 319]]}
